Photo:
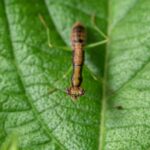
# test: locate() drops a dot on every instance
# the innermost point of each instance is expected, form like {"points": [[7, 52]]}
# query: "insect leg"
{"points": [[93, 20], [100, 32], [48, 35], [96, 44], [47, 30], [64, 75]]}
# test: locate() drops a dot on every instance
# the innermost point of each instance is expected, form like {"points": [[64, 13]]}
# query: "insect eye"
{"points": [[81, 92], [68, 91]]}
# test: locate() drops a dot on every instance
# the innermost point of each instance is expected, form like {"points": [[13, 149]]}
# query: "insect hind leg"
{"points": [[47, 30], [100, 32], [48, 35], [93, 20]]}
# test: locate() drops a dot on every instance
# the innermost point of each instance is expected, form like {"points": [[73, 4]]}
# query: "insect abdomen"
{"points": [[77, 40]]}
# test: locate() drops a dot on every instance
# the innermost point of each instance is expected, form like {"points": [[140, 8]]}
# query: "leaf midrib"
{"points": [[104, 95], [104, 92]]}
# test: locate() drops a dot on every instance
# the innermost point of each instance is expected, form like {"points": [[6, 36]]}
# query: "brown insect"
{"points": [[78, 37]]}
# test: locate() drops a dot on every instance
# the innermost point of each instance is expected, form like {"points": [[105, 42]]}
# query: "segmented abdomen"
{"points": [[78, 36]]}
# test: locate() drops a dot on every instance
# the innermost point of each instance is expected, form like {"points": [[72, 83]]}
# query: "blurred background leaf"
{"points": [[114, 112], [10, 143]]}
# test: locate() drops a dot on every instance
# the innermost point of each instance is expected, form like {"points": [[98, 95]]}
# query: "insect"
{"points": [[78, 37]]}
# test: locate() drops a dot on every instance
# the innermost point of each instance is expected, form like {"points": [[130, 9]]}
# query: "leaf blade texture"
{"points": [[114, 112]]}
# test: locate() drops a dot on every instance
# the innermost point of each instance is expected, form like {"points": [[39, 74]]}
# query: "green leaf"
{"points": [[114, 112], [10, 143]]}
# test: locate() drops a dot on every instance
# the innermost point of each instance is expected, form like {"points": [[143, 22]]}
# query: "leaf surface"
{"points": [[114, 112]]}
